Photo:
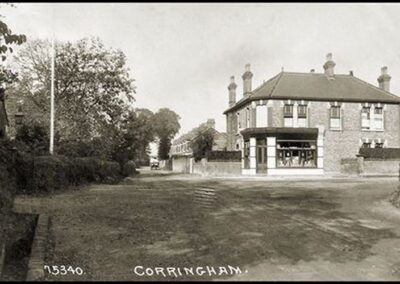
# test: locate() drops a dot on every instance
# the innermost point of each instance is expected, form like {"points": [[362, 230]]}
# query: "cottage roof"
{"points": [[193, 133], [318, 87]]}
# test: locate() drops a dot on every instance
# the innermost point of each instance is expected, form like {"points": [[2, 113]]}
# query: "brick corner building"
{"points": [[307, 123]]}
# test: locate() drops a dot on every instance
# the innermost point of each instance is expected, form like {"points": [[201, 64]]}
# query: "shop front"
{"points": [[282, 151]]}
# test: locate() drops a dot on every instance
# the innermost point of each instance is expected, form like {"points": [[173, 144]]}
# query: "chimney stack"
{"points": [[232, 92], [312, 71], [247, 75], [384, 79], [329, 66], [211, 123]]}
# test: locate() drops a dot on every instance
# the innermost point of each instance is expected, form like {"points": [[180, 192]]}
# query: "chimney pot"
{"points": [[232, 92], [312, 70], [351, 73], [247, 76], [384, 79], [211, 123], [329, 66]]}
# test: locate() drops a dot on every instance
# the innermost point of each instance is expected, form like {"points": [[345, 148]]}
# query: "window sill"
{"points": [[373, 130], [336, 129]]}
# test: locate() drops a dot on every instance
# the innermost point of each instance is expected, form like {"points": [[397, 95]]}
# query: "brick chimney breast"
{"points": [[384, 79], [247, 76], [329, 66]]}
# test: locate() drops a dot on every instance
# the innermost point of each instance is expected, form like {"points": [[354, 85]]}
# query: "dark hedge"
{"points": [[224, 156], [380, 153]]}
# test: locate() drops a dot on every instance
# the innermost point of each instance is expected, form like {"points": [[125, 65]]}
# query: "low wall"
{"points": [[205, 167], [381, 167], [349, 166], [370, 167], [181, 164], [166, 165]]}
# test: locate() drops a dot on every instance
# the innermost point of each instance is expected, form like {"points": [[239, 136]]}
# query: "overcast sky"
{"points": [[182, 55]]}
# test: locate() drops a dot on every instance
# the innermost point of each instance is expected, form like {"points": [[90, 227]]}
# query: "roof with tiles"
{"points": [[318, 87]]}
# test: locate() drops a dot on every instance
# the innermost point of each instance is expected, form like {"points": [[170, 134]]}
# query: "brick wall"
{"points": [[346, 143]]}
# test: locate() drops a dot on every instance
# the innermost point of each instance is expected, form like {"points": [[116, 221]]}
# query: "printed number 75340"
{"points": [[62, 269]]}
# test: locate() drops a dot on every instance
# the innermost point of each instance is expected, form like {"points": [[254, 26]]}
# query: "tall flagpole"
{"points": [[52, 95]]}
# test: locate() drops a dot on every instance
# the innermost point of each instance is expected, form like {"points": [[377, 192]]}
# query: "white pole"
{"points": [[52, 99]]}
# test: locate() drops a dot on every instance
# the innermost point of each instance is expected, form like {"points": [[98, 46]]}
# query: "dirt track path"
{"points": [[329, 229]]}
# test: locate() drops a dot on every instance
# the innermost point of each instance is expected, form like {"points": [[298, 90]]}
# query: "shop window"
{"points": [[288, 115], [335, 118], [296, 154]]}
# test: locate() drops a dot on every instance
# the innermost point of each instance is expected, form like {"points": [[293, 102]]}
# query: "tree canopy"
{"points": [[166, 126], [92, 85], [202, 142]]}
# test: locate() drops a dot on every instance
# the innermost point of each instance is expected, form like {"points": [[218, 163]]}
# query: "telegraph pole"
{"points": [[52, 94]]}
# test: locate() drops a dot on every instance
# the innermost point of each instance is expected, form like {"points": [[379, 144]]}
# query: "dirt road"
{"points": [[273, 229]]}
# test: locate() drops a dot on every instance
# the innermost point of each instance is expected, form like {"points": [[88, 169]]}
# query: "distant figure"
{"points": [[3, 114]]}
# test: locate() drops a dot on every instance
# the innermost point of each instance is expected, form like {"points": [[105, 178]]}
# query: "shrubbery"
{"points": [[380, 153], [92, 148], [75, 162], [53, 173], [7, 176]]}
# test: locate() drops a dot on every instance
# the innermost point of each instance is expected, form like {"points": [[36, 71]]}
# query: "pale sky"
{"points": [[182, 55]]}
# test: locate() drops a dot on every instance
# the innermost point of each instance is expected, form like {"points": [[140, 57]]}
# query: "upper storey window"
{"points": [[335, 117], [302, 115], [378, 118], [247, 117], [366, 117], [288, 115], [372, 117]]}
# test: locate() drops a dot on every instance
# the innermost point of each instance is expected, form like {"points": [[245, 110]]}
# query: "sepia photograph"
{"points": [[199, 141]]}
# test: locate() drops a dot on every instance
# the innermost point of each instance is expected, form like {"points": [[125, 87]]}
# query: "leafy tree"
{"points": [[202, 142], [8, 40], [34, 136], [92, 85], [166, 125]]}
